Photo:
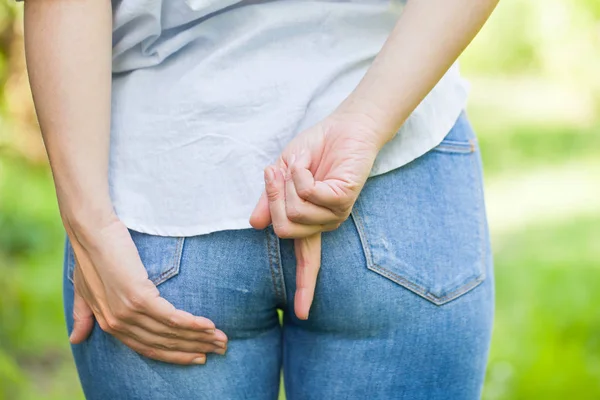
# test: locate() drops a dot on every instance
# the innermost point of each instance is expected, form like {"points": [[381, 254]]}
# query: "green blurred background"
{"points": [[535, 103]]}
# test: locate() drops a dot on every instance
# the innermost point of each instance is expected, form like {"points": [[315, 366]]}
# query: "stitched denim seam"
{"points": [[280, 271], [482, 217], [457, 147], [424, 293], [417, 289], [361, 233], [275, 266], [270, 256], [175, 264]]}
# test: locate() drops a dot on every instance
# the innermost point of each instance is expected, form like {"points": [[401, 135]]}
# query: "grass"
{"points": [[546, 343]]}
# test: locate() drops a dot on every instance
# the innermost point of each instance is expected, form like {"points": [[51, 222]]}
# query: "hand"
{"points": [[112, 286], [312, 189]]}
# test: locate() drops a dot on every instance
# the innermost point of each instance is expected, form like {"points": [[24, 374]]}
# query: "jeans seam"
{"points": [[270, 256], [275, 267], [457, 147], [175, 263]]}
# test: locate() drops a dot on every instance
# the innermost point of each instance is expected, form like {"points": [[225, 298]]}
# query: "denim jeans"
{"points": [[403, 306]]}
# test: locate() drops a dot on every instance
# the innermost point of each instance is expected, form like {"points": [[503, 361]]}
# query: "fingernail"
{"points": [[284, 172], [269, 175], [220, 351], [199, 360], [208, 330], [292, 159], [220, 336], [220, 344]]}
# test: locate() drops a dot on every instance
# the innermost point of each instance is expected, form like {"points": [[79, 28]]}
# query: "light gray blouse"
{"points": [[206, 93]]}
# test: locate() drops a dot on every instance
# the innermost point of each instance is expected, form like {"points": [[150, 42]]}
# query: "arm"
{"points": [[427, 39], [68, 48], [326, 166]]}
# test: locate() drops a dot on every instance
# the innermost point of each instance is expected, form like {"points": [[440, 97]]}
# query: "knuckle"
{"points": [[272, 193], [172, 344], [166, 345], [122, 314], [171, 334], [305, 192], [114, 324], [284, 231], [172, 321], [293, 213], [150, 353]]}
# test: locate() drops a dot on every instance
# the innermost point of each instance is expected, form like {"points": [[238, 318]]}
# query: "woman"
{"points": [[349, 112]]}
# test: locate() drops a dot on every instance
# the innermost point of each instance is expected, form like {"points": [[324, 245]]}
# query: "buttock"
{"points": [[404, 300]]}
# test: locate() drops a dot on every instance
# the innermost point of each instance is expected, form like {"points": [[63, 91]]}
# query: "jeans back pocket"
{"points": [[160, 255], [423, 225]]}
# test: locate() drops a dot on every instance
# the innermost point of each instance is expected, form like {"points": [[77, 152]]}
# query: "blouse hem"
{"points": [[188, 231]]}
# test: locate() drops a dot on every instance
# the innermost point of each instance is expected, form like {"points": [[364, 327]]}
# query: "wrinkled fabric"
{"points": [[403, 305], [207, 93]]}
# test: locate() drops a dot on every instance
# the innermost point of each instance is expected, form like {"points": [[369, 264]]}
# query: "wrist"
{"points": [[379, 122], [83, 221]]}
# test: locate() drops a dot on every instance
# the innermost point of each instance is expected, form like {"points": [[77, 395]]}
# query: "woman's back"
{"points": [[205, 93]]}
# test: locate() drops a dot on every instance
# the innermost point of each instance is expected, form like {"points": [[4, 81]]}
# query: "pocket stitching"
{"points": [[456, 146], [164, 276], [175, 264]]}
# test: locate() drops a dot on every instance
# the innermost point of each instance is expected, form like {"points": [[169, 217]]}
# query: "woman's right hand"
{"points": [[112, 286]]}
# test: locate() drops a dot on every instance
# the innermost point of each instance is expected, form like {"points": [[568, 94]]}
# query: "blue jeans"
{"points": [[403, 306]]}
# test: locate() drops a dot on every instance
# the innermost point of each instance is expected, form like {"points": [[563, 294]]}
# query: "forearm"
{"points": [[427, 39], [68, 51]]}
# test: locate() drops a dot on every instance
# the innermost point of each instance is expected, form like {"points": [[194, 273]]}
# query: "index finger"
{"points": [[164, 312], [308, 263]]}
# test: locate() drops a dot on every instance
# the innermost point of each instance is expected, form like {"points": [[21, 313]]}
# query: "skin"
{"points": [[311, 189]]}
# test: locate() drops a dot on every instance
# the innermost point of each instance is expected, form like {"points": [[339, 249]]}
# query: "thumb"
{"points": [[83, 320], [261, 216]]}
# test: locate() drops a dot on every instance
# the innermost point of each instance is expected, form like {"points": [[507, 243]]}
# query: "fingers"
{"points": [[164, 312], [328, 194], [150, 324], [308, 262], [164, 332], [209, 344], [283, 227], [304, 212], [158, 328], [83, 320], [169, 356]]}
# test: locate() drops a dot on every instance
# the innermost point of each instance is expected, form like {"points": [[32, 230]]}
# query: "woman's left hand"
{"points": [[312, 188]]}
